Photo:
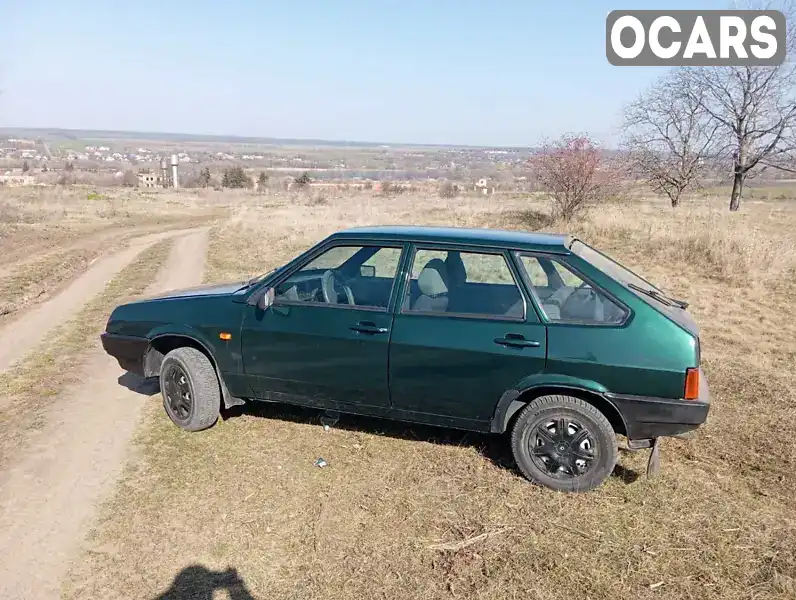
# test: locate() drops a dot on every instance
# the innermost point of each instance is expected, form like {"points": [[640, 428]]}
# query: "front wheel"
{"points": [[564, 443], [190, 389]]}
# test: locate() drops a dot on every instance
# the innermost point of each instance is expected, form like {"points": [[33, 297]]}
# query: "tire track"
{"points": [[49, 497]]}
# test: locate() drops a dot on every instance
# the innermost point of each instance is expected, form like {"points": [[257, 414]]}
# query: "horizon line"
{"points": [[162, 135]]}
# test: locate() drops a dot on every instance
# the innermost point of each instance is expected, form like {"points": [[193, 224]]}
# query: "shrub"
{"points": [[129, 179], [235, 177], [262, 181], [573, 175], [448, 190], [302, 180]]}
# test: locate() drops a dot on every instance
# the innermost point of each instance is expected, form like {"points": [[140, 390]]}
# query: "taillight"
{"points": [[691, 384]]}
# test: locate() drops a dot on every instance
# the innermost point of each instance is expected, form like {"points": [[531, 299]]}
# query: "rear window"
{"points": [[610, 266], [628, 278]]}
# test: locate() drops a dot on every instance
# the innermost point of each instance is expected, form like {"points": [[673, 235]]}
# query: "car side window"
{"points": [[454, 282], [347, 275], [535, 272], [568, 298]]}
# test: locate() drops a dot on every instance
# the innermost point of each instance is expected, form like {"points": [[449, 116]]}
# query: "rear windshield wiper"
{"points": [[659, 297]]}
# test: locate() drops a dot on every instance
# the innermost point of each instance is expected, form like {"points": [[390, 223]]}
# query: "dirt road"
{"points": [[49, 496], [25, 332], [14, 260]]}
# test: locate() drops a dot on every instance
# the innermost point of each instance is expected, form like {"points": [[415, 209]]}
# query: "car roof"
{"points": [[521, 240]]}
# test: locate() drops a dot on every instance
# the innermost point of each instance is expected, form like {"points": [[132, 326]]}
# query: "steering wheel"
{"points": [[329, 280]]}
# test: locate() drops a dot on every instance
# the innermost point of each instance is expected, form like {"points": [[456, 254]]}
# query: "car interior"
{"points": [[565, 297], [353, 282], [444, 286]]}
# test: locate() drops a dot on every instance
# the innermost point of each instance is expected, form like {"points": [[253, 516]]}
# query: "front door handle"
{"points": [[368, 327], [516, 340]]}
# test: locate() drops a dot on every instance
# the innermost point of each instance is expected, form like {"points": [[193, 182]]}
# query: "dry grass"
{"points": [[751, 247], [36, 220], [717, 523], [48, 236], [27, 388]]}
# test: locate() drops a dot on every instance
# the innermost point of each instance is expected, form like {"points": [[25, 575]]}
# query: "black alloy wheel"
{"points": [[178, 392], [564, 443], [190, 388], [563, 447]]}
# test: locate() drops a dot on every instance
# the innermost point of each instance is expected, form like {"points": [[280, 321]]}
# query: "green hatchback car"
{"points": [[537, 335]]}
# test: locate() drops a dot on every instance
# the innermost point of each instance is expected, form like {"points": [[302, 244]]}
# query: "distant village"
{"points": [[25, 161]]}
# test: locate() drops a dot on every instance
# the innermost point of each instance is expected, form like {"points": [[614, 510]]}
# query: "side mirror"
{"points": [[266, 299], [367, 270]]}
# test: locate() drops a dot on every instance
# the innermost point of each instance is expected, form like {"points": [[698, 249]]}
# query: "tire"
{"points": [[188, 370], [574, 457]]}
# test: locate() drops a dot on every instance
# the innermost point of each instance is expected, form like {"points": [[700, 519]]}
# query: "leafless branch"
{"points": [[670, 137], [754, 108]]}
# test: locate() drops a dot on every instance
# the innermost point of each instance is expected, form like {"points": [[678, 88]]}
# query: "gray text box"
{"points": [[772, 25]]}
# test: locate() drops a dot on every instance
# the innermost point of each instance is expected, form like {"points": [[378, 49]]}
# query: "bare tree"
{"points": [[669, 137], [755, 108], [574, 175]]}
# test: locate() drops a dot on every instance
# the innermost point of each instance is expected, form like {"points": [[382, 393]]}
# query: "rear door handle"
{"points": [[368, 327], [515, 340]]}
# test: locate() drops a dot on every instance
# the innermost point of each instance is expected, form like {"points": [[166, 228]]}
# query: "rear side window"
{"points": [[452, 282], [565, 297]]}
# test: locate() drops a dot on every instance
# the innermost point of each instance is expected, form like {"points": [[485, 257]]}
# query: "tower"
{"points": [[175, 182]]}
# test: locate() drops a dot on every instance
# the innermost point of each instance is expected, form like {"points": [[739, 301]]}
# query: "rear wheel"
{"points": [[189, 385], [564, 443]]}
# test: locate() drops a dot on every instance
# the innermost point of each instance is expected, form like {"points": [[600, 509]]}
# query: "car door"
{"points": [[463, 334], [325, 339]]}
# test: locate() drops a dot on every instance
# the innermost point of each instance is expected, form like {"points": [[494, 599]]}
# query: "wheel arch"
{"points": [[512, 401], [163, 343]]}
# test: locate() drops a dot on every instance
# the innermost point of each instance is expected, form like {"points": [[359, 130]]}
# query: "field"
{"points": [[407, 511]]}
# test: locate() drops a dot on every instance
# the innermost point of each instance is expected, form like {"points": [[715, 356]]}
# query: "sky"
{"points": [[470, 72]]}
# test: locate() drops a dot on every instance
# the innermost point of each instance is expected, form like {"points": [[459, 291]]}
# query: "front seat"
{"points": [[457, 273], [433, 285], [457, 277]]}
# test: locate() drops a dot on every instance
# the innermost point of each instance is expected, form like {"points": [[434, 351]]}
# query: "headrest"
{"points": [[457, 274], [433, 279]]}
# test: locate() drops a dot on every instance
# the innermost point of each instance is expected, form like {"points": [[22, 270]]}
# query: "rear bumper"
{"points": [[127, 350], [647, 417]]}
